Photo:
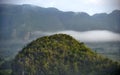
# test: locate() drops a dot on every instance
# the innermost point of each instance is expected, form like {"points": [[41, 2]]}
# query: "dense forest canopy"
{"points": [[61, 54]]}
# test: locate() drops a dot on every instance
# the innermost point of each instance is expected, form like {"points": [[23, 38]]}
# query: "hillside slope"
{"points": [[60, 54]]}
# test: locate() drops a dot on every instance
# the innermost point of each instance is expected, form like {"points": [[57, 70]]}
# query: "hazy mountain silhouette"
{"points": [[21, 19]]}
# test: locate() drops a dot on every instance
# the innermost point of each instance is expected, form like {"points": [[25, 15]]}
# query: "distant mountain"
{"points": [[60, 54], [19, 20]]}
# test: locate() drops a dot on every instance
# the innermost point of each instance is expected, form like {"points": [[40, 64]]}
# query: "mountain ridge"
{"points": [[21, 19], [35, 6]]}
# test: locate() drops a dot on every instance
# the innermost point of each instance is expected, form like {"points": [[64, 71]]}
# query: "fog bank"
{"points": [[87, 36]]}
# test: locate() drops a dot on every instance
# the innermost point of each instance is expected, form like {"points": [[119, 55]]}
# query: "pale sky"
{"points": [[89, 6]]}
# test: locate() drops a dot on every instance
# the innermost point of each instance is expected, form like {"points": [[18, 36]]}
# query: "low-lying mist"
{"points": [[87, 36]]}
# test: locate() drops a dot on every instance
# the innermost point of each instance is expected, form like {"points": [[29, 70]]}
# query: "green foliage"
{"points": [[5, 72], [60, 54], [5, 67]]}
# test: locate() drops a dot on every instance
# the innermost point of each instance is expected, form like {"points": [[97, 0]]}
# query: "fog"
{"points": [[87, 36]]}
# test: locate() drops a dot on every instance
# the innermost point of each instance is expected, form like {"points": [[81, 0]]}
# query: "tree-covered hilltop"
{"points": [[60, 54]]}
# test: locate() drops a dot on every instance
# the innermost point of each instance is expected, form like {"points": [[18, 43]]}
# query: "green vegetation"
{"points": [[5, 67], [60, 54], [5, 72]]}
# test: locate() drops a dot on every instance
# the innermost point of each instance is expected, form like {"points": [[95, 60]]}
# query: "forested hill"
{"points": [[60, 54]]}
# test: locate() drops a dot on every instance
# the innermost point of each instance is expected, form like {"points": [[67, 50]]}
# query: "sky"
{"points": [[89, 6]]}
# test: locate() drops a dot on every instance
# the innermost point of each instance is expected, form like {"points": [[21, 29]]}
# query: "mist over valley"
{"points": [[86, 36]]}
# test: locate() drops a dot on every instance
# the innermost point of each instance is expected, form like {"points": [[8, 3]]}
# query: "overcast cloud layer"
{"points": [[87, 36]]}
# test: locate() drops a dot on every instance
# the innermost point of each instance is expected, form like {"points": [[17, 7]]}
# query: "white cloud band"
{"points": [[88, 36]]}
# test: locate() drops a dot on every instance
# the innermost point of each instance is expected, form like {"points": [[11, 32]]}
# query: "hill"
{"points": [[19, 22], [60, 54]]}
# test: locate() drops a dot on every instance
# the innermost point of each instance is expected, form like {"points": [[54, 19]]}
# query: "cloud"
{"points": [[88, 36]]}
